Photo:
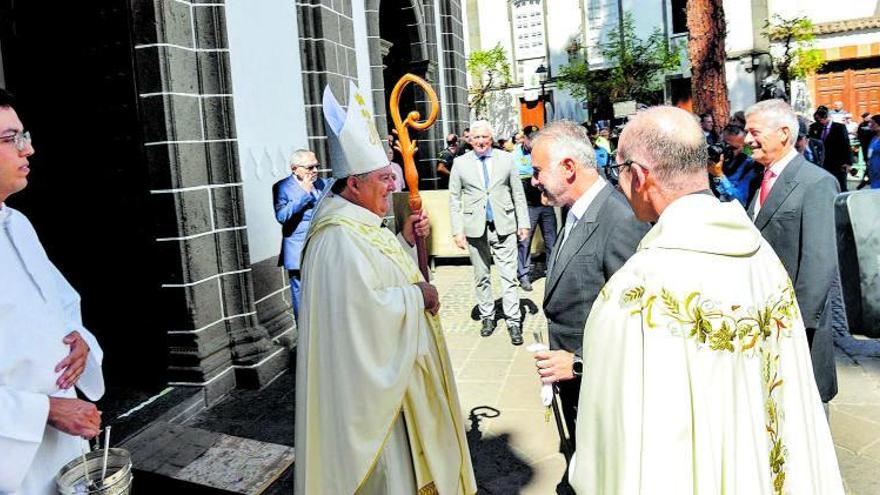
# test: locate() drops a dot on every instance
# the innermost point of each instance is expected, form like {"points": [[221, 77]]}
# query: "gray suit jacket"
{"points": [[597, 246], [798, 222], [468, 195]]}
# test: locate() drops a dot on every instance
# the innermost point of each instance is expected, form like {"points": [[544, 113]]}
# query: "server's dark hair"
{"points": [[6, 99]]}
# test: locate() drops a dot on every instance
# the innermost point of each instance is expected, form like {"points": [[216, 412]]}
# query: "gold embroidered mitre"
{"points": [[355, 147]]}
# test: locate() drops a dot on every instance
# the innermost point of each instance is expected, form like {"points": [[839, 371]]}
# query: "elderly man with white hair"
{"points": [[697, 376], [295, 198], [488, 212], [794, 210]]}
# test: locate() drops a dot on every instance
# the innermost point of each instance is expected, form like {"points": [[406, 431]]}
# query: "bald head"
{"points": [[667, 157], [668, 141]]}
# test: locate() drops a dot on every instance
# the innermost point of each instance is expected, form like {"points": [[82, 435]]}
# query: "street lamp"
{"points": [[543, 74]]}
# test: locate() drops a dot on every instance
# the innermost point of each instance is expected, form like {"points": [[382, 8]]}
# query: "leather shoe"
{"points": [[516, 337], [488, 327], [525, 285]]}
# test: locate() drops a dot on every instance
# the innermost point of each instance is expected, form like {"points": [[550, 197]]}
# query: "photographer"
{"points": [[733, 174]]}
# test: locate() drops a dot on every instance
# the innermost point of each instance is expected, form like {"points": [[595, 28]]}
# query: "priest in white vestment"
{"points": [[697, 376], [377, 411], [45, 352]]}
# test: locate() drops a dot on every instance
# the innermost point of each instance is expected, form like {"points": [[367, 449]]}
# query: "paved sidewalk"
{"points": [[514, 448], [516, 451]]}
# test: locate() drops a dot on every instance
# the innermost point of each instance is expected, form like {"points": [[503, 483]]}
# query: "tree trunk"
{"points": [[706, 33]]}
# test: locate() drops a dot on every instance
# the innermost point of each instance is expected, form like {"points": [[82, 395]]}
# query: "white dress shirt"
{"points": [[488, 162], [777, 169], [579, 207]]}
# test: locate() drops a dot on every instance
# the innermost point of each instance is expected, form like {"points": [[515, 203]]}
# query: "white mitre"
{"points": [[355, 147]]}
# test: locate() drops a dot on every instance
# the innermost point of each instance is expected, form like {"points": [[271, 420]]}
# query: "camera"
{"points": [[718, 150]]}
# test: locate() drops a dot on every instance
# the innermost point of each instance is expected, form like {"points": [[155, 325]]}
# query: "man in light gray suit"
{"points": [[599, 236], [488, 210], [794, 210]]}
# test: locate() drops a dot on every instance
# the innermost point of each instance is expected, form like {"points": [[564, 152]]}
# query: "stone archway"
{"points": [[400, 36]]}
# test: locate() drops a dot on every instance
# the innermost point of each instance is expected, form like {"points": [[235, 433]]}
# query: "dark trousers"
{"points": [[546, 218], [569, 391], [841, 179], [294, 292]]}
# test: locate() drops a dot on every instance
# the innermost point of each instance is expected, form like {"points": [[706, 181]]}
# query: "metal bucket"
{"points": [[71, 480]]}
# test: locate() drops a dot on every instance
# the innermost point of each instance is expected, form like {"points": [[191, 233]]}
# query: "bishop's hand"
{"points": [[416, 224], [430, 296]]}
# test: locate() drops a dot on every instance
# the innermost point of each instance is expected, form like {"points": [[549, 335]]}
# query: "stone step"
{"points": [[180, 459]]}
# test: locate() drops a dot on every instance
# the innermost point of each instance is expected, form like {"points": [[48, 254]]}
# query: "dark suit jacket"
{"points": [[597, 246], [798, 222], [837, 148], [293, 210]]}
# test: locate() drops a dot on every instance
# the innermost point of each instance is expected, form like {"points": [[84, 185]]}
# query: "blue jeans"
{"points": [[546, 218]]}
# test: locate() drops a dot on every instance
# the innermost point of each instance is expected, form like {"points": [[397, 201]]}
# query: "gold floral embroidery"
{"points": [[752, 331], [429, 489]]}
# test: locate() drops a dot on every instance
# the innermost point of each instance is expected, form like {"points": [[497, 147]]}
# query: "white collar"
{"points": [[4, 212], [779, 166], [580, 206]]}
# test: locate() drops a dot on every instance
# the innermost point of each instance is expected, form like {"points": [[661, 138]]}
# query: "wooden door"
{"points": [[859, 90], [866, 91], [531, 113]]}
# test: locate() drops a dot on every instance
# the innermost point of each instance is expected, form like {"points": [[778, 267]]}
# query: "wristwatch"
{"points": [[578, 366]]}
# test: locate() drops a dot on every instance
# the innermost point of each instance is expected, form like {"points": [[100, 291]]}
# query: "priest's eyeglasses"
{"points": [[20, 140], [614, 170]]}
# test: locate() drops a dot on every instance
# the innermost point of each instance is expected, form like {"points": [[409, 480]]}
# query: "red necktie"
{"points": [[765, 185]]}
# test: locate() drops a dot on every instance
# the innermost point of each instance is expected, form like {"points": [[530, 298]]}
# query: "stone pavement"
{"points": [[516, 451]]}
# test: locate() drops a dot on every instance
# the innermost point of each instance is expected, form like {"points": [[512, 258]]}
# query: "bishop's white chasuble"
{"points": [[376, 406], [697, 374]]}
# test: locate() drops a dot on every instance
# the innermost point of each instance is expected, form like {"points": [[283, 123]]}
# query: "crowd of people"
{"points": [[688, 313], [683, 307]]}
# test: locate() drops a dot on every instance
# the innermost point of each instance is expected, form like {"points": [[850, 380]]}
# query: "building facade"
{"points": [[160, 127], [848, 35]]}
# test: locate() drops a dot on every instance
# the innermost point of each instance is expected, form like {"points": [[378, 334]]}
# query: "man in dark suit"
{"points": [[295, 198], [838, 153], [794, 210], [599, 235]]}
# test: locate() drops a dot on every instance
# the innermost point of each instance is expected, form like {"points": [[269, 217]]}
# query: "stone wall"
{"points": [[185, 96], [328, 57]]}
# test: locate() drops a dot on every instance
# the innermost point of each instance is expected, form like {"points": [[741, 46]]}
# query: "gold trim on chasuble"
{"points": [[729, 329], [382, 239]]}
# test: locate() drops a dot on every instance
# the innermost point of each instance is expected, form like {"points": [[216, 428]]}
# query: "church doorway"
{"points": [[403, 44], [70, 65]]}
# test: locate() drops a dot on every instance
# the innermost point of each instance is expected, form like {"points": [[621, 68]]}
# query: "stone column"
{"points": [[182, 75], [326, 33]]}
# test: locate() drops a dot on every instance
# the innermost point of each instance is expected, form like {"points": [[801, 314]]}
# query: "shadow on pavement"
{"points": [[497, 468], [526, 307]]}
